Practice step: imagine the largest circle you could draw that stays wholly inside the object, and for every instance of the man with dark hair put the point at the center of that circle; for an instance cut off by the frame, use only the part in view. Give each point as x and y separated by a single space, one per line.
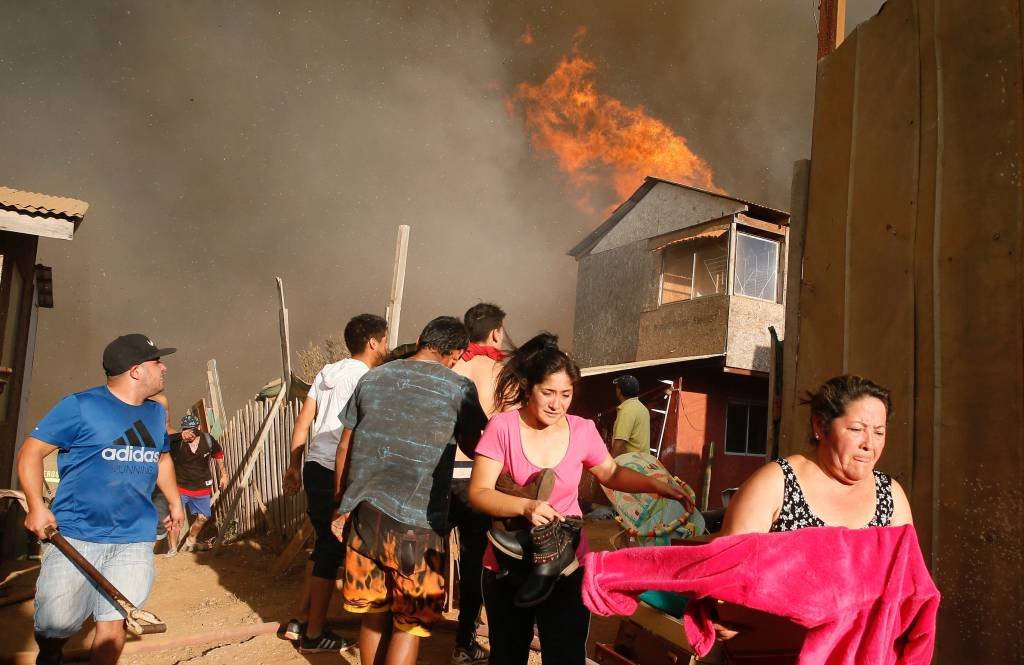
191 452
113 449
632 431
366 336
482 321
480 363
393 472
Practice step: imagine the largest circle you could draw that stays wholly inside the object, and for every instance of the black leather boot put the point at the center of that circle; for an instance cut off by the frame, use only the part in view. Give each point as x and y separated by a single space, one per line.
511 536
515 544
554 555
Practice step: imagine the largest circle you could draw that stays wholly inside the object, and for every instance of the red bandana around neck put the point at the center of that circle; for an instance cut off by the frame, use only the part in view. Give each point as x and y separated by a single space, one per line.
474 350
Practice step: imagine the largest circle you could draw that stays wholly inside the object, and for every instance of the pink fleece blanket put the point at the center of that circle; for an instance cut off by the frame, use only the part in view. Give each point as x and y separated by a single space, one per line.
864 595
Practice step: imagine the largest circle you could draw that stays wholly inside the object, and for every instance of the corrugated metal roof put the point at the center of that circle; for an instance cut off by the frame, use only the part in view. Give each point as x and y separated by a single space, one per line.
33 203
755 210
701 231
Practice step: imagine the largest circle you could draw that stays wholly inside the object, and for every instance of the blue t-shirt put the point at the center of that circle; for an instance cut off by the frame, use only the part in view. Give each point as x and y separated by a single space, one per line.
108 455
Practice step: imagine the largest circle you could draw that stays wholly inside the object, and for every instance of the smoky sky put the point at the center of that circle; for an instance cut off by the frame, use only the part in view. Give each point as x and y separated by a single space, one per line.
222 144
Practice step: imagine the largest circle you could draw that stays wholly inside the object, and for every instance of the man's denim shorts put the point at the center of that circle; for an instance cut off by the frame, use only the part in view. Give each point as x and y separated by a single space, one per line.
197 505
65 596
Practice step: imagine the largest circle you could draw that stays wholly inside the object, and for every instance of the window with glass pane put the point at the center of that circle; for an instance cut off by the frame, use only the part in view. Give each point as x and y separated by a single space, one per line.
757 267
677 273
736 429
711 266
746 429
757 430
694 269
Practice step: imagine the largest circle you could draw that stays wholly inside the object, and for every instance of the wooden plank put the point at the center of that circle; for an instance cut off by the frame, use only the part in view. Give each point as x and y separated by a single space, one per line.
881 222
822 281
794 261
920 492
216 398
268 518
767 227
45 227
284 561
394 308
286 345
274 490
978 306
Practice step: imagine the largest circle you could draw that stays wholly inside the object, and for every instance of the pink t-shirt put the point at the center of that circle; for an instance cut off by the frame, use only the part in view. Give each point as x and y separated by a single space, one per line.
502 442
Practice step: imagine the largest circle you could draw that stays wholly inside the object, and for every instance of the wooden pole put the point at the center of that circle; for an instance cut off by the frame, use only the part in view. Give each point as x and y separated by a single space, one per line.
394 309
831 25
216 398
664 418
286 346
705 492
771 449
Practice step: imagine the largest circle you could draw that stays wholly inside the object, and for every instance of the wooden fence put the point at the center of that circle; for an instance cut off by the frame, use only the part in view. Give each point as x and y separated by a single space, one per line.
254 501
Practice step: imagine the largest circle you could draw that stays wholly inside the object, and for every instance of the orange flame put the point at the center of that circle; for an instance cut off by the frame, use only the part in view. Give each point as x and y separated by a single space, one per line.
600 142
527 36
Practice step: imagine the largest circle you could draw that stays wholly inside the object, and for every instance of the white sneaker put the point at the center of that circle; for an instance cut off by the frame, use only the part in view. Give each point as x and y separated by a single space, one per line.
171 553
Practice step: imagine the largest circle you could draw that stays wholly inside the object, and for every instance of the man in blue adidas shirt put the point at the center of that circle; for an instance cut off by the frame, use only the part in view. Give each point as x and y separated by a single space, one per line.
112 448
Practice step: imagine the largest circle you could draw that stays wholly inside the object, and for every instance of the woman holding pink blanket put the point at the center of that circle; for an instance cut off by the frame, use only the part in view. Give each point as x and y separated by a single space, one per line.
537 435
863 594
836 483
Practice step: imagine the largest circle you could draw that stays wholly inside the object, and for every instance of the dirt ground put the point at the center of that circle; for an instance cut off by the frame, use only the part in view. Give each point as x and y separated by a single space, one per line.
199 593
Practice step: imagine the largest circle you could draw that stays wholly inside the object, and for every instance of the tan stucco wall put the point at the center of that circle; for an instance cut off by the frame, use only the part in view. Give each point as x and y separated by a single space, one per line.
749 344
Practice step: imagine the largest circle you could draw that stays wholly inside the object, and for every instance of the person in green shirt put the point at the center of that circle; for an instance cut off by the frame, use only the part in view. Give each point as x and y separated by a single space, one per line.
632 431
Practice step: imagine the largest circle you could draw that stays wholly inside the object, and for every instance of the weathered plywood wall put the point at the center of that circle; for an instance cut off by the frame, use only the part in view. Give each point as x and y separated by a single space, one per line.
610 288
911 274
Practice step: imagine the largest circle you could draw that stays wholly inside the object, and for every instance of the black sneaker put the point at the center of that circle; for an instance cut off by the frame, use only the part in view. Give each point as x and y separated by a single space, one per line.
327 641
293 630
474 654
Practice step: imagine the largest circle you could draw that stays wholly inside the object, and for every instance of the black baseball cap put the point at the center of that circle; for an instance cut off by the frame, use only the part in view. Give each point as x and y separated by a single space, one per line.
129 350
628 384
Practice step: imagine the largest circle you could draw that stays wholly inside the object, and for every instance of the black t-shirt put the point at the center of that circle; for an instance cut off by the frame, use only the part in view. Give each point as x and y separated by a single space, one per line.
193 468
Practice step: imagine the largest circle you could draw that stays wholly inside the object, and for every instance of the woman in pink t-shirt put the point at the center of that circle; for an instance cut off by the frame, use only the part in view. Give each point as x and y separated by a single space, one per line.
537 384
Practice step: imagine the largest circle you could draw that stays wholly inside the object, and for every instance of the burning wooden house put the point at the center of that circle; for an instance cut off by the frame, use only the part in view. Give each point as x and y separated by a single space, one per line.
679 287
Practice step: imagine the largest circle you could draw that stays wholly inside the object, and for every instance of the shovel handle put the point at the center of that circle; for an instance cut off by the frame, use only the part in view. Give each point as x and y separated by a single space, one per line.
96 576
149 622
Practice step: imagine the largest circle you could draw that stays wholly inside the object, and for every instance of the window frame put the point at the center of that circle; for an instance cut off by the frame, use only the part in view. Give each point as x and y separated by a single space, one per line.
747 404
727 291
778 241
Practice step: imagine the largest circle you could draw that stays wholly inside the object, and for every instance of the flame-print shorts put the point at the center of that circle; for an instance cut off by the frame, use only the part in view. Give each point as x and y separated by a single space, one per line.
394 570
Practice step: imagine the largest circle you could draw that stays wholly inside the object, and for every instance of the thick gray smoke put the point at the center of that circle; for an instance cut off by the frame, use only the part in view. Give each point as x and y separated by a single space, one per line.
221 144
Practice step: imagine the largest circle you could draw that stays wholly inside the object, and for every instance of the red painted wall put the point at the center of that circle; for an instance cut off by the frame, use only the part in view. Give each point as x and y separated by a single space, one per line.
695 419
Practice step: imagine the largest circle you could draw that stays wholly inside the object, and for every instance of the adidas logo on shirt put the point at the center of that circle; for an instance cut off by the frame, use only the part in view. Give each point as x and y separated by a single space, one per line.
136 445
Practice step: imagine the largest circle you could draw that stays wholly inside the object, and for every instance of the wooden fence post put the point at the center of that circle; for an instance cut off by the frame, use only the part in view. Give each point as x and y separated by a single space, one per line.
394 309
286 348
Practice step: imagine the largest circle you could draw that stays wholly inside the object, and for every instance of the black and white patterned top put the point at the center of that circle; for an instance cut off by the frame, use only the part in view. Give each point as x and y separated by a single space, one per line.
796 514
